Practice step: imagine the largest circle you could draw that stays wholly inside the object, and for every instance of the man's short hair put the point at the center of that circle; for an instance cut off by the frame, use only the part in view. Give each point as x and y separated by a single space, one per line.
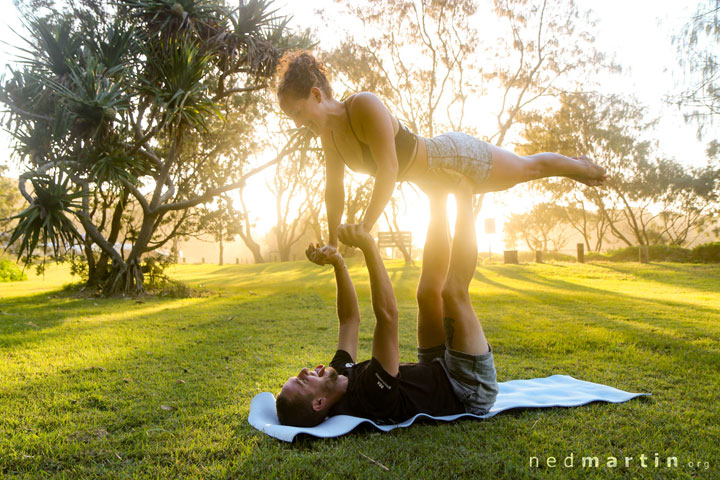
297 411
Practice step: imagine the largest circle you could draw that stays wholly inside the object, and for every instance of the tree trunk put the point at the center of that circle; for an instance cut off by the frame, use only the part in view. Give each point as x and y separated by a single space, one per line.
115 227
253 246
93 280
220 262
125 279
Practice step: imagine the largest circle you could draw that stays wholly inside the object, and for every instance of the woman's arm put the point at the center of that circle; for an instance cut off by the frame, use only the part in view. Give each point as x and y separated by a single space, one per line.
334 193
377 130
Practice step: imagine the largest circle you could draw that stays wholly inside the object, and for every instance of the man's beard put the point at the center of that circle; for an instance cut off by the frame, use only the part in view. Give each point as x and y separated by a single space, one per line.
332 379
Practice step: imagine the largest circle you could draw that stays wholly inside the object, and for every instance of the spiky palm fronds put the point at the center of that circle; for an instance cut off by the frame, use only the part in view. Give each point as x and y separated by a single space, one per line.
53 48
251 18
26 95
115 46
111 165
177 80
91 95
261 36
172 17
48 218
33 140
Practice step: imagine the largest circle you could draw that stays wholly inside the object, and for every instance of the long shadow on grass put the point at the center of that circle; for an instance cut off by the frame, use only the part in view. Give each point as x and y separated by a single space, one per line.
39 311
573 288
685 276
627 303
646 337
223 352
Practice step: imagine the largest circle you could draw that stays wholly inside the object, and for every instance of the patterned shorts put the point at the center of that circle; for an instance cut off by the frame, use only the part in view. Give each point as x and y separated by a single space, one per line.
472 377
456 154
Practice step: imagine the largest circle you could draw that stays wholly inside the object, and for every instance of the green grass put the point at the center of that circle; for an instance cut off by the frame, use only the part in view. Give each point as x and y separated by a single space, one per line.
161 388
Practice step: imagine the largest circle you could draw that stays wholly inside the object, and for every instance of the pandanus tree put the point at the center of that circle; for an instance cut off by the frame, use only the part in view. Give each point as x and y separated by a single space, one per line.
127 114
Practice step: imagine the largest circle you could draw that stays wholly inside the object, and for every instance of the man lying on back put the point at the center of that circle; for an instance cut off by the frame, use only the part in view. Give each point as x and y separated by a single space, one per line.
455 372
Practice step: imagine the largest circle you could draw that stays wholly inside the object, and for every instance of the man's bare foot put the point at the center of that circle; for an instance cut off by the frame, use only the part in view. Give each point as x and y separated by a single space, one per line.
595 175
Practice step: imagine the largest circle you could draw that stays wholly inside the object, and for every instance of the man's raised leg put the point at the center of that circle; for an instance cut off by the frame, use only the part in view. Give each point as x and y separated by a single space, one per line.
463 331
436 257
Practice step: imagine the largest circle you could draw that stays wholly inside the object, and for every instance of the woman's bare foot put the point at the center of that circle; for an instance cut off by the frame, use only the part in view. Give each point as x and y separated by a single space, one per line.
595 175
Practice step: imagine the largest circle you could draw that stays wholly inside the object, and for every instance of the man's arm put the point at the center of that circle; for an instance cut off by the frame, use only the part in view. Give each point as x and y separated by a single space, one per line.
347 305
386 347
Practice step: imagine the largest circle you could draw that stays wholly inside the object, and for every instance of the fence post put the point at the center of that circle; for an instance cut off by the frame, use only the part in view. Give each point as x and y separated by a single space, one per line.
538 256
203 260
184 259
581 253
644 254
511 256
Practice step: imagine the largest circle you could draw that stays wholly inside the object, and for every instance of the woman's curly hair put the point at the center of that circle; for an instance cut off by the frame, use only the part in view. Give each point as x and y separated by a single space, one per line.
298 72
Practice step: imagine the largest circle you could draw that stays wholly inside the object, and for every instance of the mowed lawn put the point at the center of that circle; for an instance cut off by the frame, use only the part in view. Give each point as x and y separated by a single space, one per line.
161 388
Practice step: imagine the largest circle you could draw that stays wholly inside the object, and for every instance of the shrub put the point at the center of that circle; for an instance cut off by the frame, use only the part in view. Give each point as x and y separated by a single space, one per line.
596 256
706 253
656 253
529 257
10 272
664 253
627 254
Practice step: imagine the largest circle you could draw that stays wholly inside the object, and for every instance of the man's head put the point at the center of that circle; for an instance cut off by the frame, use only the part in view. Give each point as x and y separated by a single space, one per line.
305 399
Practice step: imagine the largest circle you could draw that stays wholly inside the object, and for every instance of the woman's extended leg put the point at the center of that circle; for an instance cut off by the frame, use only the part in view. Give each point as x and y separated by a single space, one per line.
509 169
436 257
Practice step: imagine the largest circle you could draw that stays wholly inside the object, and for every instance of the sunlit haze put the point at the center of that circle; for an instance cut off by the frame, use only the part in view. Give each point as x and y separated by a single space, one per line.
637 33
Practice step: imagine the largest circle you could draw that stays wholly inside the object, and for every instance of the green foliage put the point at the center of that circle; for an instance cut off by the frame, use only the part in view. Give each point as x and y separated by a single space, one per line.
48 218
55 48
146 109
707 253
79 267
178 81
10 272
529 257
10 204
613 131
544 228
91 96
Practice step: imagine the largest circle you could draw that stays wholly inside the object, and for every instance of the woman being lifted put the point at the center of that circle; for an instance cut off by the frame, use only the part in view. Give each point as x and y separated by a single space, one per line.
361 133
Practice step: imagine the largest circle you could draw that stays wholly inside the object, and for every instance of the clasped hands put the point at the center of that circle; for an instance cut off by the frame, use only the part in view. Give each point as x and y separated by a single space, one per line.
353 235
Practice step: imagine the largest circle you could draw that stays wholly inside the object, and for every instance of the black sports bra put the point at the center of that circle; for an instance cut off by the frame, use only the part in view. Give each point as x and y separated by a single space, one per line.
405 144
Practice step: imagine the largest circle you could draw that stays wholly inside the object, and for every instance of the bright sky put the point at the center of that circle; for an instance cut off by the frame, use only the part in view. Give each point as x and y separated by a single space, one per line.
637 32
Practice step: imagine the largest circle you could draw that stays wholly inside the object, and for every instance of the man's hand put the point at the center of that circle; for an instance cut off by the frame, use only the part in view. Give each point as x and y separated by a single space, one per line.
327 255
355 235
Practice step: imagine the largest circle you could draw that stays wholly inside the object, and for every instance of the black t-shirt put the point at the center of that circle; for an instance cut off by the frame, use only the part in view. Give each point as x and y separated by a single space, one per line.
375 394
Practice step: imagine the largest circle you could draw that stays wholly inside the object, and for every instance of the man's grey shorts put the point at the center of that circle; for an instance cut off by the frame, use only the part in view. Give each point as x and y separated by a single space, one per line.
472 377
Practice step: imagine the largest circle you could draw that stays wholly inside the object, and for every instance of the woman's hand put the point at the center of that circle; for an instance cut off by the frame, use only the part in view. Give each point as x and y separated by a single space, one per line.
355 235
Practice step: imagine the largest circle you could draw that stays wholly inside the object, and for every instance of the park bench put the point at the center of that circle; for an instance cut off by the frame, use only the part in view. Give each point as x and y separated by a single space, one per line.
395 240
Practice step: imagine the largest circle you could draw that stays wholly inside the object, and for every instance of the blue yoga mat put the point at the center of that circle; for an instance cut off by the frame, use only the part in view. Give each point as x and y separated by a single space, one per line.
553 391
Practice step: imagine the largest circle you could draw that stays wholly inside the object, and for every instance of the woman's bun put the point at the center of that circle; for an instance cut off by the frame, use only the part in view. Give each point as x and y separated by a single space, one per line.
298 72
